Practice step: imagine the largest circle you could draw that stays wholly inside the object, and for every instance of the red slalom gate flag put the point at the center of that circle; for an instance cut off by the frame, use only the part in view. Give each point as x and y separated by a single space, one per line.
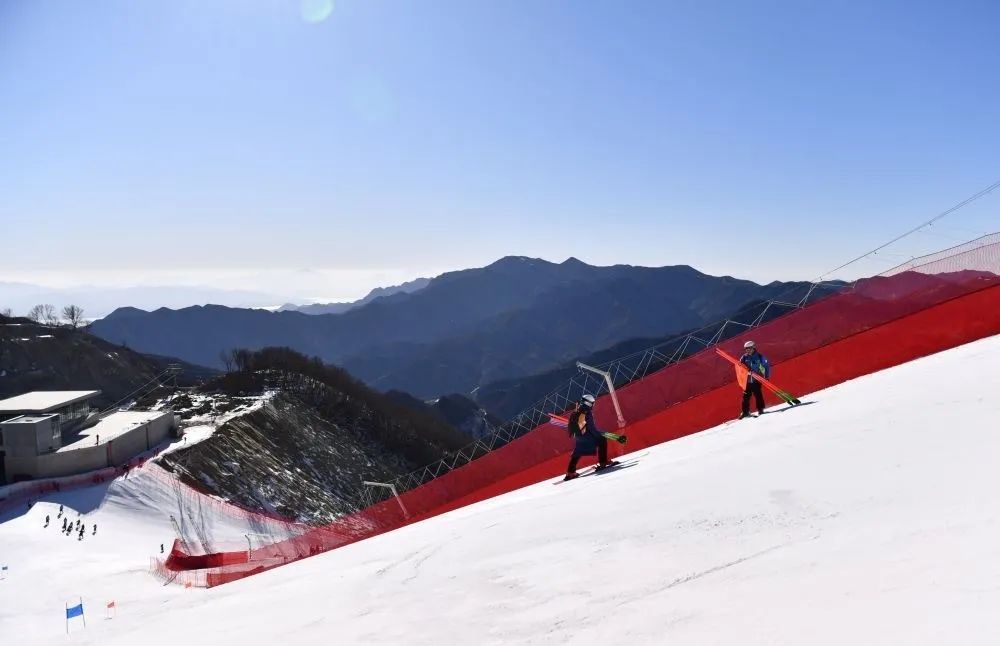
741 375
111 604
187 585
558 420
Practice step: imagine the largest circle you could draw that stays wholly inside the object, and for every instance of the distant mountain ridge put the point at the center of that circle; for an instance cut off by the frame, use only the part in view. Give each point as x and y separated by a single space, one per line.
339 308
40 357
516 317
98 301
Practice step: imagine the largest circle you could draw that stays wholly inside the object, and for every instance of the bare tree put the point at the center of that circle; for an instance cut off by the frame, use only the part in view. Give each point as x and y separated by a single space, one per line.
73 314
227 360
6 312
37 313
49 315
242 359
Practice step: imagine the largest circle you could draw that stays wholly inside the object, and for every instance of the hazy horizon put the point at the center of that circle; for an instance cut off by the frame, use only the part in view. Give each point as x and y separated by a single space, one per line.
313 151
180 289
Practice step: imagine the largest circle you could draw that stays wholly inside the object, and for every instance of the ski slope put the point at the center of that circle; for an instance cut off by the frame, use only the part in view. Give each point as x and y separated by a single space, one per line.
870 515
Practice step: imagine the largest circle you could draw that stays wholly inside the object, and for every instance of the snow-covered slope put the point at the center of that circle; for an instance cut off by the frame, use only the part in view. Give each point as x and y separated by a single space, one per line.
869 516
132 518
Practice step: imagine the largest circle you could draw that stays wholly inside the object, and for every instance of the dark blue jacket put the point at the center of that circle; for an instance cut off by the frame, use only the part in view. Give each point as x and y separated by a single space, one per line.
586 443
757 364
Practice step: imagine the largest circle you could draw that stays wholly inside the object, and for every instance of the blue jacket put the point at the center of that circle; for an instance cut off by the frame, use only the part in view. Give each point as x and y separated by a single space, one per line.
757 364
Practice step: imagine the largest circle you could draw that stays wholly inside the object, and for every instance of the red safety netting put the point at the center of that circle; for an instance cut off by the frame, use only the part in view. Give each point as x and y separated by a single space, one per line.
928 305
25 493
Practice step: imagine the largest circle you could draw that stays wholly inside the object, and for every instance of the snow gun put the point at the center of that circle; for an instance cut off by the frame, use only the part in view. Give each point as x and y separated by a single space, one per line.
563 422
741 377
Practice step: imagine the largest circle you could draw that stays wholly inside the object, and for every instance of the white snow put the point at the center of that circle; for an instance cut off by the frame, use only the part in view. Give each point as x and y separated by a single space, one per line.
133 519
199 428
869 516
42 401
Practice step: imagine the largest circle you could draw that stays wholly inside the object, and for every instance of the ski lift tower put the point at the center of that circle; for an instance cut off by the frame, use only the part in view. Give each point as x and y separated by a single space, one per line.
611 389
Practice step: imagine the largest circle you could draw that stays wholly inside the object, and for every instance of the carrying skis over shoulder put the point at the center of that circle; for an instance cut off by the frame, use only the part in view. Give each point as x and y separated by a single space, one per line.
563 422
752 372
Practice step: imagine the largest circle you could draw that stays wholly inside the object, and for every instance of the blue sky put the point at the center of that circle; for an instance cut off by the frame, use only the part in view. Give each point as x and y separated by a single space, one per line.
237 144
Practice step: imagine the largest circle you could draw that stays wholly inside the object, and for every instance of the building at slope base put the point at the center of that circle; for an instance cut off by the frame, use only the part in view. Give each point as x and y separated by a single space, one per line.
47 434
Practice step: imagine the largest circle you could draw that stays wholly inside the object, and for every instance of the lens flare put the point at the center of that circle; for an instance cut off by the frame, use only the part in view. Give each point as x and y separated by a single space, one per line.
316 11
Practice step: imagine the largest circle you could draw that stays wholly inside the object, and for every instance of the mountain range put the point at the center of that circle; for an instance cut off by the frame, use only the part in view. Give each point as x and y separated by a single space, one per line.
41 357
99 301
464 329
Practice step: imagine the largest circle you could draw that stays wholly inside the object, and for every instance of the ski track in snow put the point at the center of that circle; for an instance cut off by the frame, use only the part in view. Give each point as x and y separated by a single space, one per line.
869 517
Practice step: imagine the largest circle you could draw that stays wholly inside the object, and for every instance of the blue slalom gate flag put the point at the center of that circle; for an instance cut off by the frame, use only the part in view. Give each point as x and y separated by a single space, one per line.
75 611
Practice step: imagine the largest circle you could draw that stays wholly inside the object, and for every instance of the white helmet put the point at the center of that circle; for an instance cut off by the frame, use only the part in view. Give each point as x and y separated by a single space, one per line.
749 344
587 400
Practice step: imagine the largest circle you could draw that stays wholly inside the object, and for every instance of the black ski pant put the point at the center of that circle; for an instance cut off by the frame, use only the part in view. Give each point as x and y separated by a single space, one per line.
602 454
753 388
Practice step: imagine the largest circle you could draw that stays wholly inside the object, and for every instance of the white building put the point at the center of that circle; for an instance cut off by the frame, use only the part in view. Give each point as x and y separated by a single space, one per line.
72 406
36 443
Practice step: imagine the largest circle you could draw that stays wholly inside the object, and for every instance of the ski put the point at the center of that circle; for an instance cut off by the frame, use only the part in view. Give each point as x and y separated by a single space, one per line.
626 461
621 439
563 422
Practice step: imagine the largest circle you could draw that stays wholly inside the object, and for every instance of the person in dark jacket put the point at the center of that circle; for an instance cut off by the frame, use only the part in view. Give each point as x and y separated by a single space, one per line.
589 439
756 364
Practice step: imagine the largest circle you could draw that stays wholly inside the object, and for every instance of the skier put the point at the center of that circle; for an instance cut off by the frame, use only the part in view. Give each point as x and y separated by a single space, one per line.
756 364
588 437
46 520
95 530
64 525
60 512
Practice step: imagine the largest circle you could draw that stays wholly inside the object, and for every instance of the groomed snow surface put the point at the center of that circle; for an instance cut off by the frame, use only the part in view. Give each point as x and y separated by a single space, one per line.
869 516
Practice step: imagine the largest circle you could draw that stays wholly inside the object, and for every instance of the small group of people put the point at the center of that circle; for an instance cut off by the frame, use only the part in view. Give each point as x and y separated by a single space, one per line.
590 440
69 527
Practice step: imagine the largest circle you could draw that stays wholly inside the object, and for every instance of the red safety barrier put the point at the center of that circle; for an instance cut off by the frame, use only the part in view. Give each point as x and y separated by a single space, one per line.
877 323
23 493
29 491
693 395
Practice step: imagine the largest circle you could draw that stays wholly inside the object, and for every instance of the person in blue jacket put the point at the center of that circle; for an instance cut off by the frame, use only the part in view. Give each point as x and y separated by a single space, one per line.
589 439
756 364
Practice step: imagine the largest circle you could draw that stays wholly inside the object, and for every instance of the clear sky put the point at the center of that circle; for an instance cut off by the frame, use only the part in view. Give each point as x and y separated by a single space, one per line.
242 143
